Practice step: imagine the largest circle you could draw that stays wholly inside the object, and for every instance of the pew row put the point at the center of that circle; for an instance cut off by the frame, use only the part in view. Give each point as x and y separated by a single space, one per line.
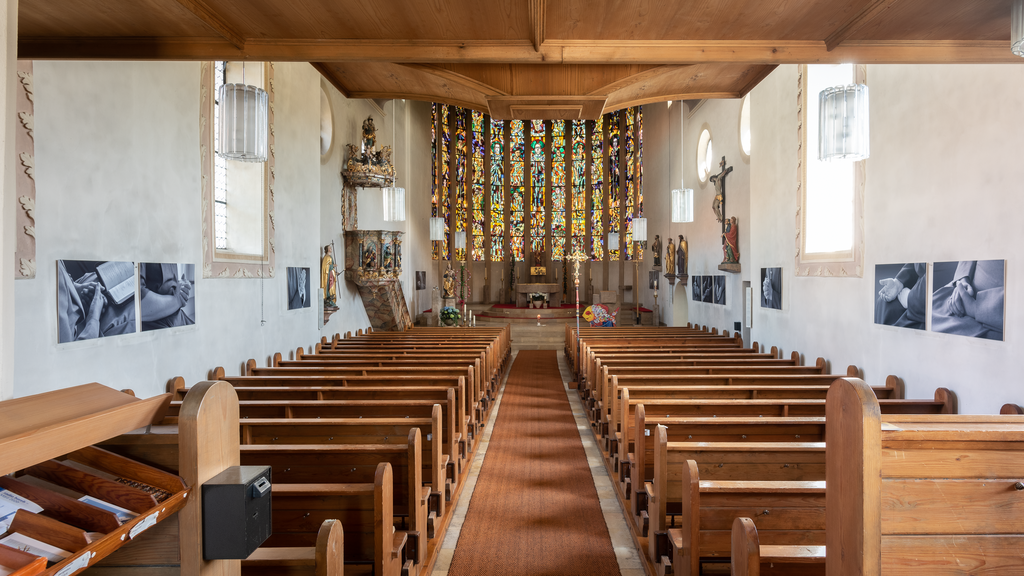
326 558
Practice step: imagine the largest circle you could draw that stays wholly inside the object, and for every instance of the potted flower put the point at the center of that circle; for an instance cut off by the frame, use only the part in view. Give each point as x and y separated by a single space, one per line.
449 316
537 300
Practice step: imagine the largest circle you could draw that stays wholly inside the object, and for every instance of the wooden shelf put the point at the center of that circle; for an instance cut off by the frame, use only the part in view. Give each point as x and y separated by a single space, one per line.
46 456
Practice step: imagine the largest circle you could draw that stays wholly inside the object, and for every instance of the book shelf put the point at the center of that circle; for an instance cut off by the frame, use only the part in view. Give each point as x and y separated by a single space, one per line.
47 456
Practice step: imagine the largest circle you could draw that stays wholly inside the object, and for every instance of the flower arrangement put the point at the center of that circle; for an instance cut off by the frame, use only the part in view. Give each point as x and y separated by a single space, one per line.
449 315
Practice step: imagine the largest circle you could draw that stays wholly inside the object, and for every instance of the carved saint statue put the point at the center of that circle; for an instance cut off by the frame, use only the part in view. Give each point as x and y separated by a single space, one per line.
670 257
385 256
369 136
656 247
370 257
398 254
682 256
448 283
731 246
719 181
329 279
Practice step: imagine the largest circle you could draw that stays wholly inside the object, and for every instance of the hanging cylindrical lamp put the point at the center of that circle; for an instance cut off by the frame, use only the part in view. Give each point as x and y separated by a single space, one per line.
682 205
437 229
843 123
394 204
1017 27
613 240
243 121
460 240
639 229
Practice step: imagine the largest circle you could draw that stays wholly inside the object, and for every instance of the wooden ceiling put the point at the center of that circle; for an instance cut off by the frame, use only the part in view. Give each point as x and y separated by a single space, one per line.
525 58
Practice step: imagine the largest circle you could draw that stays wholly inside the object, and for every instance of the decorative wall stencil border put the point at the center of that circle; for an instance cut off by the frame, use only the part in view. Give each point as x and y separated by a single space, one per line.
834 264
218 265
25 184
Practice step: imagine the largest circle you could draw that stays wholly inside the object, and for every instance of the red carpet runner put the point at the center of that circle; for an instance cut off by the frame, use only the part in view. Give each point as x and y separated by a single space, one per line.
535 509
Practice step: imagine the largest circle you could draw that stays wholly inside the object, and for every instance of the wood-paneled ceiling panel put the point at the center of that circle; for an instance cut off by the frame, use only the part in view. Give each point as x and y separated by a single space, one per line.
963 20
699 19
548 79
137 18
690 83
396 81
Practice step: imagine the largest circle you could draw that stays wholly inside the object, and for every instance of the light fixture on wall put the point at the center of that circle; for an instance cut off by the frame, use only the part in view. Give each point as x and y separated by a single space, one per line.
243 120
394 195
843 123
437 229
682 205
1017 27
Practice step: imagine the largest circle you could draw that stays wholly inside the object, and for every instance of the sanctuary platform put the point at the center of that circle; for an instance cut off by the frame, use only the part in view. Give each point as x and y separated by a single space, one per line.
513 313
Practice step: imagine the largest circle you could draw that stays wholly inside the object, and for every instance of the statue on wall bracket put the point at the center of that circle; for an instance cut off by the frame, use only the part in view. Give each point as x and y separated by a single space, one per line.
730 228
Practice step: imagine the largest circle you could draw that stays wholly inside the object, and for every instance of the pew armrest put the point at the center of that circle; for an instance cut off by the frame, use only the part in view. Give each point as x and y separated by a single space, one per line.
398 544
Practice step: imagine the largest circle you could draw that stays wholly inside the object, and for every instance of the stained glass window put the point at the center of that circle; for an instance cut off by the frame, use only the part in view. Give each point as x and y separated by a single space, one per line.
558 190
517 163
597 192
478 186
497 190
543 159
435 246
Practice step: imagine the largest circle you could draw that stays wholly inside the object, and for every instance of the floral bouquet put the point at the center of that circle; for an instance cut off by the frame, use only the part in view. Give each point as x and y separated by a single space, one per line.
449 315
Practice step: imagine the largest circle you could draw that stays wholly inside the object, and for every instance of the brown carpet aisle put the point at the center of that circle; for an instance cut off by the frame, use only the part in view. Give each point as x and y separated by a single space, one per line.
535 509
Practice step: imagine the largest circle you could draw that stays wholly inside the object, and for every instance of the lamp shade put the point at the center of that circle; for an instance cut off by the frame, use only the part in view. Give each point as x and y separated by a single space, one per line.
613 240
460 240
437 229
242 123
394 204
843 123
1017 27
639 229
682 205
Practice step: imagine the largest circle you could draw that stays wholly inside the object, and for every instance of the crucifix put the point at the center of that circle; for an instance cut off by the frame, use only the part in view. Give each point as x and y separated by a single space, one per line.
719 203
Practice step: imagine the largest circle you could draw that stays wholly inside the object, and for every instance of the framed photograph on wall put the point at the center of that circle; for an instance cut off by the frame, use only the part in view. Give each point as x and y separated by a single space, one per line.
967 298
167 295
695 288
421 279
298 288
771 288
901 294
707 289
720 290
95 299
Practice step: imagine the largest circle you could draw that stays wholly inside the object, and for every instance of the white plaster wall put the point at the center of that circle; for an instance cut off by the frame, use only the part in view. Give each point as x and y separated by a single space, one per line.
943 183
117 174
704 234
661 170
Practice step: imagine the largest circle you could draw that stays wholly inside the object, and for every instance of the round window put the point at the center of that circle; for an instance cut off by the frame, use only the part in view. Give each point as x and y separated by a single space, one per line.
745 125
705 155
326 124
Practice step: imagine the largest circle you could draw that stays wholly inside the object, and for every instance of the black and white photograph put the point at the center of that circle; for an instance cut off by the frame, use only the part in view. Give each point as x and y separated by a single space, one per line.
901 294
298 288
771 288
720 290
421 279
653 280
967 298
95 299
707 289
695 288
167 295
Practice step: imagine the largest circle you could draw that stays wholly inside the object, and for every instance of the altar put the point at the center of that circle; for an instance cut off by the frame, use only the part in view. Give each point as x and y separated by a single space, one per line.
554 292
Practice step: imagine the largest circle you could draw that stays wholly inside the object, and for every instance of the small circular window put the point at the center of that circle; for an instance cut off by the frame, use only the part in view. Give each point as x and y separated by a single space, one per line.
705 155
745 125
326 125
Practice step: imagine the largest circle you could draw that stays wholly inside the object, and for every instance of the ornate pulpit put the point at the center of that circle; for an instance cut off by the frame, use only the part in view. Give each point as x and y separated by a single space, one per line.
373 262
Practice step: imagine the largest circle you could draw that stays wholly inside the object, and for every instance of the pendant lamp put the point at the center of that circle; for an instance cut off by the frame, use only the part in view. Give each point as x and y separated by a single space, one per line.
843 123
639 229
243 123
1017 27
613 240
436 229
394 195
682 205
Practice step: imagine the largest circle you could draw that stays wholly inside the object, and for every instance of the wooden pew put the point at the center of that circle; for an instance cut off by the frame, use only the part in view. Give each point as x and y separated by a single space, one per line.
327 558
294 432
594 364
936 495
305 469
787 513
751 558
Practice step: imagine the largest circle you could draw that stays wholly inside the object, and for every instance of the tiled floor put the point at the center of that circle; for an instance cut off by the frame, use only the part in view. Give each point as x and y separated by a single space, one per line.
550 336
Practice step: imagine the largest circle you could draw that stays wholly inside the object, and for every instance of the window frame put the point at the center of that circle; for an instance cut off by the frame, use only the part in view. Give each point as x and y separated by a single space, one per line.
701 155
844 263
219 263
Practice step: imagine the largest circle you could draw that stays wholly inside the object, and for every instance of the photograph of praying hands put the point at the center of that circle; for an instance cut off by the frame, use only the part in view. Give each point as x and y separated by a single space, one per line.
968 298
168 296
902 294
94 299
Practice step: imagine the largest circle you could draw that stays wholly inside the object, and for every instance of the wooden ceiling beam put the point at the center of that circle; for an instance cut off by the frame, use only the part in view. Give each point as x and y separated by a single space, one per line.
520 51
627 103
537 19
634 79
866 15
460 79
200 10
331 77
756 79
